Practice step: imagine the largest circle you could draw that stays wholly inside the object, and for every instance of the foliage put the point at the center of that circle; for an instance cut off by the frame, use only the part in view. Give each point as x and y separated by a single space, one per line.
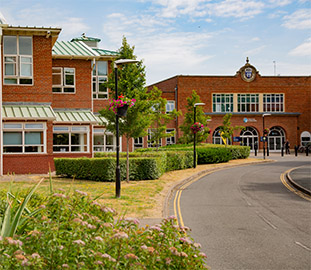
179 160
226 130
239 152
213 155
160 118
75 232
131 83
187 136
14 215
103 169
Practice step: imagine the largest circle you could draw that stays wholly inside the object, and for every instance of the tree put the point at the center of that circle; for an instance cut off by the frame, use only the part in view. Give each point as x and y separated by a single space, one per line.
226 130
160 118
131 84
187 136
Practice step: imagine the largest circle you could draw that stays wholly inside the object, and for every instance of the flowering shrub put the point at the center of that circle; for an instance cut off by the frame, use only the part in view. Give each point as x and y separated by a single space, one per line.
197 127
114 104
75 232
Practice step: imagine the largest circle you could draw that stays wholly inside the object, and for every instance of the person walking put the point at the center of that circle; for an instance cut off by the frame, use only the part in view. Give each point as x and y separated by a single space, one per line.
287 145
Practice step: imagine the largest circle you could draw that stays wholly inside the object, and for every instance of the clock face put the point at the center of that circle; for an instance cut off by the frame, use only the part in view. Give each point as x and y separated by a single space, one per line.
248 74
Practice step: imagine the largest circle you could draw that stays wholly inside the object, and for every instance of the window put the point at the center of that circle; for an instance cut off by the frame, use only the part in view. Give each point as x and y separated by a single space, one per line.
100 72
71 139
217 139
138 143
170 106
104 141
63 80
170 140
150 137
24 138
273 102
248 102
18 60
222 102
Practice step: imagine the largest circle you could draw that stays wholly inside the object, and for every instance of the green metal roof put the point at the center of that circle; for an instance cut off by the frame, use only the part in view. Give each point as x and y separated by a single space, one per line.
101 121
73 48
75 116
27 112
106 52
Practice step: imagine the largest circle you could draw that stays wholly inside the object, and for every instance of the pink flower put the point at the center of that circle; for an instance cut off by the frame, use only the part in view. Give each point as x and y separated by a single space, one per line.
35 255
79 242
98 238
131 256
121 235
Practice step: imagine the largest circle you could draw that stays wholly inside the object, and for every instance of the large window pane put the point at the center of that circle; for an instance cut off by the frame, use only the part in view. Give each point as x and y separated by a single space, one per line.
33 137
12 138
102 68
10 45
25 47
61 139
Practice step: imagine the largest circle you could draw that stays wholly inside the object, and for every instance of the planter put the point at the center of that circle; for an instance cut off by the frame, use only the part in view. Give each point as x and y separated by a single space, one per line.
121 111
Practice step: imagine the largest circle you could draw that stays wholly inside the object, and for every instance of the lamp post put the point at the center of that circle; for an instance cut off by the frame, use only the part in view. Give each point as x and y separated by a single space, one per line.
263 133
118 178
194 133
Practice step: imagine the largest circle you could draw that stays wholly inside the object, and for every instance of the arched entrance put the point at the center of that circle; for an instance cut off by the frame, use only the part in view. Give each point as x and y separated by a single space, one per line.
249 137
217 138
276 138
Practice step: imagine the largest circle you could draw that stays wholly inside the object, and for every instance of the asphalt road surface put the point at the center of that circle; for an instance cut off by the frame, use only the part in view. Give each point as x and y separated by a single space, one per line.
246 218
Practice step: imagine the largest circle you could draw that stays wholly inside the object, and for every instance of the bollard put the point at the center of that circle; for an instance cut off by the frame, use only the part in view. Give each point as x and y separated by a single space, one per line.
296 150
267 151
255 148
307 151
282 151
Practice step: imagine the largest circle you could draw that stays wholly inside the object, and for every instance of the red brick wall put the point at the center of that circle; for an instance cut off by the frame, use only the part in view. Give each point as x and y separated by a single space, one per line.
297 91
40 91
83 85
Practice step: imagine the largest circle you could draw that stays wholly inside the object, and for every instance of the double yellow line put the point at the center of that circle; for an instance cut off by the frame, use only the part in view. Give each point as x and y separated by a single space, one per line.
290 188
177 211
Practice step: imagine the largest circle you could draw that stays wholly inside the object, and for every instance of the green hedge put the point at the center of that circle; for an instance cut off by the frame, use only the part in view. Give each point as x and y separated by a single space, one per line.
104 169
213 155
239 152
179 160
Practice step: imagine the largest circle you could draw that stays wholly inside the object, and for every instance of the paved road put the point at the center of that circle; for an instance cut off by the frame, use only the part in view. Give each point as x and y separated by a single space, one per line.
246 218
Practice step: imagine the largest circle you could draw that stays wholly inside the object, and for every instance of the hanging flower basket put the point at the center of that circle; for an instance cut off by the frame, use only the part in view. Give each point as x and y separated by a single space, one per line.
266 131
121 105
197 127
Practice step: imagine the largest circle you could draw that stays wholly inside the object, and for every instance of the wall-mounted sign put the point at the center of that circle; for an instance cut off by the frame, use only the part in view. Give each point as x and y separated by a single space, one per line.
245 120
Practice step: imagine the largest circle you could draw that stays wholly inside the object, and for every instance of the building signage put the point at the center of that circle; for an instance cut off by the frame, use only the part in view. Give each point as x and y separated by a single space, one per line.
245 120
237 139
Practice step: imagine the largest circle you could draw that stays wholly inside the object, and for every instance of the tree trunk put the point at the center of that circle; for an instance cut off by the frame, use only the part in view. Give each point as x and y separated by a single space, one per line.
127 160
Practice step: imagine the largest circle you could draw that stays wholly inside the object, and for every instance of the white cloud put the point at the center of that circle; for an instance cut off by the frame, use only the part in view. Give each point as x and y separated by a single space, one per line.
280 3
300 19
303 49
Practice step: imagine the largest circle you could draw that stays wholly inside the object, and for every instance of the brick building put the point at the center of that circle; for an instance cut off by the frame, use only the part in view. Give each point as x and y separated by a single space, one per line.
51 92
281 102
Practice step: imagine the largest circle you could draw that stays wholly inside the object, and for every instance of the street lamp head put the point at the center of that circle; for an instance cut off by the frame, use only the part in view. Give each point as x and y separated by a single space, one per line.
124 61
266 114
198 104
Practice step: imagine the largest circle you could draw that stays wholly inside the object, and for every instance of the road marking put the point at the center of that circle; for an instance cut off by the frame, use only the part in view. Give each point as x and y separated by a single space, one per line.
303 246
297 192
267 221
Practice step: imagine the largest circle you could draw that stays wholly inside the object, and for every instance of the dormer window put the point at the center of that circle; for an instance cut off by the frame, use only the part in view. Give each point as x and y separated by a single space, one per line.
18 60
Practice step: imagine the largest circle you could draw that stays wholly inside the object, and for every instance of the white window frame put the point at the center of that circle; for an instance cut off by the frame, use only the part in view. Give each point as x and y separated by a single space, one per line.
63 86
170 106
96 82
222 102
247 106
18 64
170 140
23 128
150 144
217 139
138 143
97 147
273 102
58 129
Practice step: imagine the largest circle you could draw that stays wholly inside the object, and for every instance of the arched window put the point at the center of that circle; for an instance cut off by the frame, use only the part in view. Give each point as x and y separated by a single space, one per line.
276 138
217 138
305 138
249 137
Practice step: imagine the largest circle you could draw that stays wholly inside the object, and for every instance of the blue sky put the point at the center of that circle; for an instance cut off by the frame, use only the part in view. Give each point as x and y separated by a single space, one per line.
188 37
